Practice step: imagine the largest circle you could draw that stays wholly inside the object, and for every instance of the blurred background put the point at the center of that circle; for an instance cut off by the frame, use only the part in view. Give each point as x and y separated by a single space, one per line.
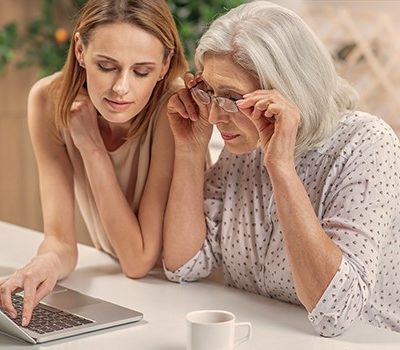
362 37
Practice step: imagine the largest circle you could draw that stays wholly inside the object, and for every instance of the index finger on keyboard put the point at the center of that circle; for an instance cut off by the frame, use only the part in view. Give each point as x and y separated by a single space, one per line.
29 301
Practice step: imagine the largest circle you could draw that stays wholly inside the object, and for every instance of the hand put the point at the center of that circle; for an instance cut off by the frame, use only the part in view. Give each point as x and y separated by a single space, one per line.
83 125
37 279
277 121
189 119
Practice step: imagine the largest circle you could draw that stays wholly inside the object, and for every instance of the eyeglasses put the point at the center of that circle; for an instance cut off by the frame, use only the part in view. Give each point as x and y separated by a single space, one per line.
204 97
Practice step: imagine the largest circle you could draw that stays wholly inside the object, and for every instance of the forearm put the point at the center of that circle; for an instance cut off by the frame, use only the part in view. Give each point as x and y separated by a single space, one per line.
120 223
313 257
184 226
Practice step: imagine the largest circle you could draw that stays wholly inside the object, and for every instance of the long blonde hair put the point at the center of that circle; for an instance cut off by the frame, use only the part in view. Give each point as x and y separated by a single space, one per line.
152 16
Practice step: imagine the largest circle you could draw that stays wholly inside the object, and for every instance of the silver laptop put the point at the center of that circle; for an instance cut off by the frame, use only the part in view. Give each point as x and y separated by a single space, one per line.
65 313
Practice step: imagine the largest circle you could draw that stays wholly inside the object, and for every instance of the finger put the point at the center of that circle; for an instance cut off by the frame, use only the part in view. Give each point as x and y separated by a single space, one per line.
4 279
257 113
270 117
252 101
265 92
43 290
188 101
197 79
246 111
261 119
29 298
188 79
275 108
260 107
265 128
77 105
267 119
6 303
175 105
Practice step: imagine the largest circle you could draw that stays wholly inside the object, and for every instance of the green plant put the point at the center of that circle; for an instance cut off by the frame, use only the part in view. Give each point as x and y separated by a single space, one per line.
45 43
192 18
8 36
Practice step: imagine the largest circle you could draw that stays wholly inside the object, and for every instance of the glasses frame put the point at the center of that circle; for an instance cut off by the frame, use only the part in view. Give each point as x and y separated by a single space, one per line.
206 98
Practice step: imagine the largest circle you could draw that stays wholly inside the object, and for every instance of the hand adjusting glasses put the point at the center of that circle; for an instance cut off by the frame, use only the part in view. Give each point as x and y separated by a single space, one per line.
205 97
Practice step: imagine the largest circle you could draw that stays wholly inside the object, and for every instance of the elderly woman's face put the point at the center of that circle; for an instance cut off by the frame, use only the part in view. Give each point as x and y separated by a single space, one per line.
223 77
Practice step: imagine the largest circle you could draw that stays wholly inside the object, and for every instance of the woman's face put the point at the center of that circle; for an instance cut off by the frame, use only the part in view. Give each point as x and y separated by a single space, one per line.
222 77
123 64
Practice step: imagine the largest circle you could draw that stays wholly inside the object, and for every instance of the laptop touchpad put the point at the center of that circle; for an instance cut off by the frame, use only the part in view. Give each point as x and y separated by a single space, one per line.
68 299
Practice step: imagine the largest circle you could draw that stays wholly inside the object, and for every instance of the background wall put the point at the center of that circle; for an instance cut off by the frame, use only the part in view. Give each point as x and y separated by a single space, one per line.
19 184
18 176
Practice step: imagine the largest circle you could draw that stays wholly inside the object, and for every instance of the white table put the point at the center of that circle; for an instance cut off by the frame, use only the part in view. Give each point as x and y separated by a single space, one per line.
276 325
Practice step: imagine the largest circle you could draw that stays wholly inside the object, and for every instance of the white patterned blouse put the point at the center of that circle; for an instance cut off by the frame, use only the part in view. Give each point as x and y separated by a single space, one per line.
353 182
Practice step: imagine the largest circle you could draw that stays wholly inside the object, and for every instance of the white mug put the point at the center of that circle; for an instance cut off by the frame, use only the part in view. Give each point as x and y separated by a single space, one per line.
214 329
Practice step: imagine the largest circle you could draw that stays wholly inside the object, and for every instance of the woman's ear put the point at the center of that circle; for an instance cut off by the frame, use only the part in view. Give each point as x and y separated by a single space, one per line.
79 49
166 65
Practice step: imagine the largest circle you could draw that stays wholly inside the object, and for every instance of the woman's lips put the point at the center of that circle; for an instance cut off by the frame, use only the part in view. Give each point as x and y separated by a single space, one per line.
119 106
227 136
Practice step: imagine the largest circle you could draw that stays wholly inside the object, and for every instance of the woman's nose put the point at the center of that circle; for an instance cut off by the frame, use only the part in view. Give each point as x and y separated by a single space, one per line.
217 114
121 86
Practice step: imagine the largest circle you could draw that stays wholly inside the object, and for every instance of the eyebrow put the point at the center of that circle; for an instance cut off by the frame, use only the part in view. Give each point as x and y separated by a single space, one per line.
225 87
135 64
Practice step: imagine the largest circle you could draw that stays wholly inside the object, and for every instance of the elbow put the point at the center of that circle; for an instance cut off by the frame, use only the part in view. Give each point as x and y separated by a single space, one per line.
330 326
137 269
136 273
331 332
171 263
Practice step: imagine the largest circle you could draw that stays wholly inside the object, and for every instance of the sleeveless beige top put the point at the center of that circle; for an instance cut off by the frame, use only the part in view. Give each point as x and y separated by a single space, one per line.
131 163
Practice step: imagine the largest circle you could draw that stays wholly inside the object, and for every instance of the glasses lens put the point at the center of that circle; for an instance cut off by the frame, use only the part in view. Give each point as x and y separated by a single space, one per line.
201 96
227 104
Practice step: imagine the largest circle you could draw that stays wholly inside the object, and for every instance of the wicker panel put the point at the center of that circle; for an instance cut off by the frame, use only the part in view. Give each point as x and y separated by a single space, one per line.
365 46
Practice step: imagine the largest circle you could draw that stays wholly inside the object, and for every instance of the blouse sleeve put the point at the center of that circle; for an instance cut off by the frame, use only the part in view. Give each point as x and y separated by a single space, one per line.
359 210
209 256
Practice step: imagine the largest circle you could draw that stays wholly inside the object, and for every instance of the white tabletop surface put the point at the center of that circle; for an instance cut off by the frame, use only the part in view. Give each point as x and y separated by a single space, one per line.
276 325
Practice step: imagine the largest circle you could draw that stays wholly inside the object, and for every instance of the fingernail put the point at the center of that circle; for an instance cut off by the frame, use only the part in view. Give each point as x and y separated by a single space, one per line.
246 95
239 102
24 321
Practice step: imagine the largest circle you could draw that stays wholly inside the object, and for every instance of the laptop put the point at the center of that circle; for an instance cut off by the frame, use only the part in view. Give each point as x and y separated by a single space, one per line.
64 313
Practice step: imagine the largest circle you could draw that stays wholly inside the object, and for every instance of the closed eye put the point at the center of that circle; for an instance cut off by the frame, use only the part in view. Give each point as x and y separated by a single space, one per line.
105 68
141 73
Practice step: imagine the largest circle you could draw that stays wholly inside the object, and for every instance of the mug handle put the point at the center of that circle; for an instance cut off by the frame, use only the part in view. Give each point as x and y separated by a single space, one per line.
247 336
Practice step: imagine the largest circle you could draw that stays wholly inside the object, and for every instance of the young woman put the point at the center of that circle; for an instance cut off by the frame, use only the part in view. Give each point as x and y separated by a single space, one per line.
100 135
303 203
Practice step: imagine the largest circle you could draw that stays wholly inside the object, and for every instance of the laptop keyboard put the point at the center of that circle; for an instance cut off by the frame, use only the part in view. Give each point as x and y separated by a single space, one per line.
46 319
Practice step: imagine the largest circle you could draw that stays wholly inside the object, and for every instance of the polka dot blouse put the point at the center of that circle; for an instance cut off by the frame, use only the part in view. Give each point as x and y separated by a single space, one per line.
353 182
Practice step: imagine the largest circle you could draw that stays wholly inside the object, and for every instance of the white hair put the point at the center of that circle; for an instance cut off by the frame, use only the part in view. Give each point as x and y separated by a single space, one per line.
281 52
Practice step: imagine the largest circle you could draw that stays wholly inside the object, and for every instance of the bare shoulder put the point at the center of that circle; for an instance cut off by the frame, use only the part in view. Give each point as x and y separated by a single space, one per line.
41 111
40 90
41 100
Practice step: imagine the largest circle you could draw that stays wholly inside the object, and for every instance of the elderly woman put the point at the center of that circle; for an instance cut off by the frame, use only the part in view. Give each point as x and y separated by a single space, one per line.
303 203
